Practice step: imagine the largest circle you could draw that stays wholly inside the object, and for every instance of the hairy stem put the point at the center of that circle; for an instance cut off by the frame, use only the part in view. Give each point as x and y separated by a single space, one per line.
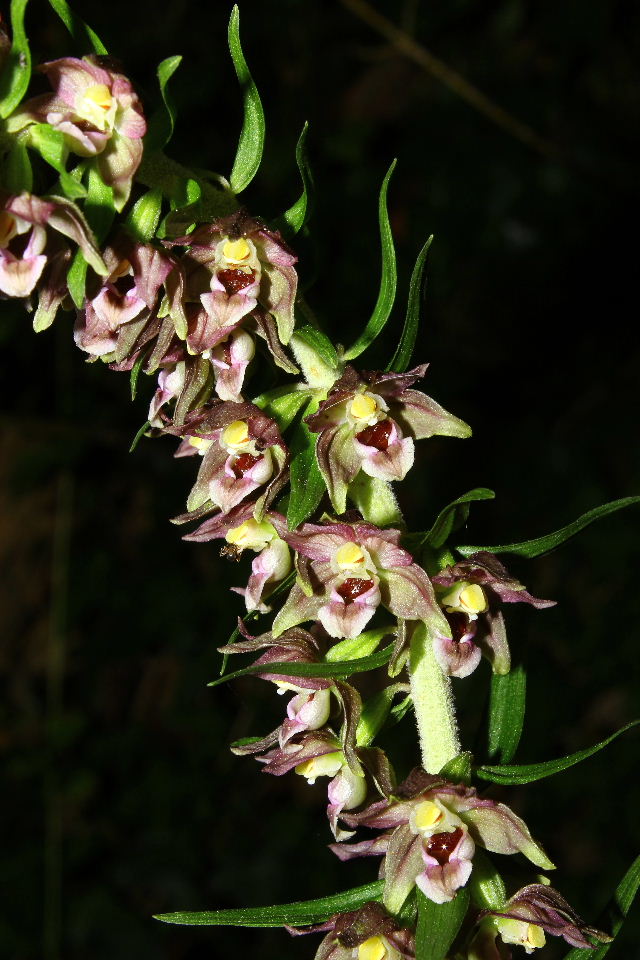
433 704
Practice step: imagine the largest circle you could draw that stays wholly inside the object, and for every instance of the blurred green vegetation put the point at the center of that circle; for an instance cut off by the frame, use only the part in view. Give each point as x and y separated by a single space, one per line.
120 798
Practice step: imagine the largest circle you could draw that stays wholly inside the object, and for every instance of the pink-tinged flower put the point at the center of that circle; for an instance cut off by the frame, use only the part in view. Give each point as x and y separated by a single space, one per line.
230 359
242 451
100 115
369 422
533 911
368 933
242 532
115 316
345 571
170 385
236 269
471 594
430 829
24 220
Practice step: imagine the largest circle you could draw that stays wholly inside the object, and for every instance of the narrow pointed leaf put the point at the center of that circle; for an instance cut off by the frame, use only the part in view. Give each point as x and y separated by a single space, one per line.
344 668
388 279
297 914
404 351
307 483
438 925
79 30
251 142
17 174
99 211
282 587
454 515
614 914
527 773
16 73
162 122
135 373
139 435
297 215
506 713
542 545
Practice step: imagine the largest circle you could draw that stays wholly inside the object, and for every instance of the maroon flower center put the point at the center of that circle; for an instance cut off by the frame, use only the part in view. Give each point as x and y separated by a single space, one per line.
225 353
460 625
441 845
376 436
243 463
234 280
353 587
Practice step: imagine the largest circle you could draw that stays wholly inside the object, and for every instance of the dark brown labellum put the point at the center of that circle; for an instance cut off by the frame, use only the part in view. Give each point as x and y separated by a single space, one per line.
353 587
234 280
243 463
376 436
441 845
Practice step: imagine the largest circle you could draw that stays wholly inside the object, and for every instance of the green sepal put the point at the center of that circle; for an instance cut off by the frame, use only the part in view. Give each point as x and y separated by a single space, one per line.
458 770
388 280
614 914
307 483
438 924
486 886
251 141
344 668
527 773
361 646
162 123
99 210
542 545
299 914
294 219
16 73
282 404
404 351
17 175
507 701
79 30
51 146
455 515
143 218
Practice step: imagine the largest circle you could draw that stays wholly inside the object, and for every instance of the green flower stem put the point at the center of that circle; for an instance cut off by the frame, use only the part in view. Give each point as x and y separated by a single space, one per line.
161 172
433 704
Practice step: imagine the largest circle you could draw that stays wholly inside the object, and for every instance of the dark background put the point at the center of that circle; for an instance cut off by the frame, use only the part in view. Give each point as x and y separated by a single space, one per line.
121 799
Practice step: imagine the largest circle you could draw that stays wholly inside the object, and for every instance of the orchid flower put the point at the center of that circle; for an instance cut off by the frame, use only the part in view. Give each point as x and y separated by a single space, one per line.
368 933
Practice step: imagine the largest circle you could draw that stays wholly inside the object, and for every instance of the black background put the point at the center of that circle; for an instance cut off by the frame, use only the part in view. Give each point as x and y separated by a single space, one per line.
121 799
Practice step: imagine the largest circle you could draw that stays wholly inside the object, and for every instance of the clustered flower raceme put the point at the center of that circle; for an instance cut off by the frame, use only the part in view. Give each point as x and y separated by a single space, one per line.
189 308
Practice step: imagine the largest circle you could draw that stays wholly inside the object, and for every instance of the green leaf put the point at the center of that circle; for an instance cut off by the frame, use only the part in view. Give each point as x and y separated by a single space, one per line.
404 351
251 142
454 515
139 435
344 668
99 211
319 343
16 73
79 30
438 924
375 713
388 279
297 215
17 174
360 646
614 914
542 545
307 483
282 404
527 773
162 122
486 886
506 713
135 372
459 769
144 216
297 914
52 147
